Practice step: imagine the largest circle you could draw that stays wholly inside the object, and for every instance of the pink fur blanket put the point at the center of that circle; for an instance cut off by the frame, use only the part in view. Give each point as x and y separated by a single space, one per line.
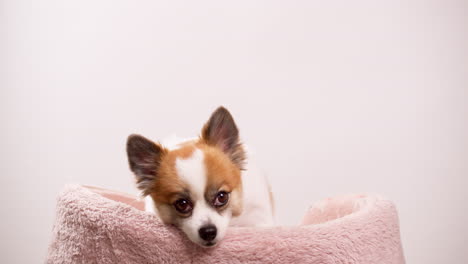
95 225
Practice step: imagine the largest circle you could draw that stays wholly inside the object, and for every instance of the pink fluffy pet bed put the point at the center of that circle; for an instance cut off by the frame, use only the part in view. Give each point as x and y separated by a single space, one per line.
95 225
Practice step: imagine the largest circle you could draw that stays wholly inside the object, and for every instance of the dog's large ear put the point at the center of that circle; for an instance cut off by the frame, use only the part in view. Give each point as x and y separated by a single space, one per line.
144 157
221 131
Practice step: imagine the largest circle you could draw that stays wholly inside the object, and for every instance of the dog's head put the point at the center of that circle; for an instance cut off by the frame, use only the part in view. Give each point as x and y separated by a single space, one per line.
196 186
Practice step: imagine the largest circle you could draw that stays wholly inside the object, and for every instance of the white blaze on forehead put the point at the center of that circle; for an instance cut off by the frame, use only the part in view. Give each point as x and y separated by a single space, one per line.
192 171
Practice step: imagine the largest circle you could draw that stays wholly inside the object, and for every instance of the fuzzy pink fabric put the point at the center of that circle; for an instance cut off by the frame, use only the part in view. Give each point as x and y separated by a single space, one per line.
101 226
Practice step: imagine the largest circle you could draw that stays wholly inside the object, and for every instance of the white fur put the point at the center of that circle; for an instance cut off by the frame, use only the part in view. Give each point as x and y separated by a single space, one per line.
202 215
149 205
193 172
258 210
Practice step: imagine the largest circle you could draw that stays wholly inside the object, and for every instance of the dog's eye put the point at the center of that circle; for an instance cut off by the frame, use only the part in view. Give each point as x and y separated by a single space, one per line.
183 206
221 199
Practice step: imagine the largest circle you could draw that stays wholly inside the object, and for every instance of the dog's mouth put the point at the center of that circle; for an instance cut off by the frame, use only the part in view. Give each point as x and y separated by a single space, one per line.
209 244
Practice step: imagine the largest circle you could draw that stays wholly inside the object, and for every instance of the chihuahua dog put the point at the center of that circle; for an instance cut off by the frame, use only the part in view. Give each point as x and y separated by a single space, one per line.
202 185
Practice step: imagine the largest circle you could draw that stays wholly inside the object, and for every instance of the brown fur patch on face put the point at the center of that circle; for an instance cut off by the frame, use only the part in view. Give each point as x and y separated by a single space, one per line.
222 175
168 187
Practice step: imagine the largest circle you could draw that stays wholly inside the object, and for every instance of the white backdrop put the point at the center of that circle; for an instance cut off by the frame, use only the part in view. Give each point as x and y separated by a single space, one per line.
335 97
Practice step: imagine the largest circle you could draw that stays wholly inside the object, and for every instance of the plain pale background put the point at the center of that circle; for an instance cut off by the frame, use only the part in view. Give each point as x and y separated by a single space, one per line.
335 97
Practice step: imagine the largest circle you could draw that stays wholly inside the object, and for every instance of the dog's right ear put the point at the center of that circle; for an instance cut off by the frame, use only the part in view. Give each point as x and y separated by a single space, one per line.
144 157
221 131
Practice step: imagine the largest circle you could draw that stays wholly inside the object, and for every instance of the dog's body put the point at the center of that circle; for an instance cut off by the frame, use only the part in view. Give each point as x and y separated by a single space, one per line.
202 185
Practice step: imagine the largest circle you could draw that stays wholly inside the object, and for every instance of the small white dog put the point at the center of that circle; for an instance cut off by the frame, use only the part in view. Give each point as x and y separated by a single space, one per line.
202 185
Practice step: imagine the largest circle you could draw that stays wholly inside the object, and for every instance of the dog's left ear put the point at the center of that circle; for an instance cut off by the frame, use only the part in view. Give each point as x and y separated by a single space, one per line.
221 131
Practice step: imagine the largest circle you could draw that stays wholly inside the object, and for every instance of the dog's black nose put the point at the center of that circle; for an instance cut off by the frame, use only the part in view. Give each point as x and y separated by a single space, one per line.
208 232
